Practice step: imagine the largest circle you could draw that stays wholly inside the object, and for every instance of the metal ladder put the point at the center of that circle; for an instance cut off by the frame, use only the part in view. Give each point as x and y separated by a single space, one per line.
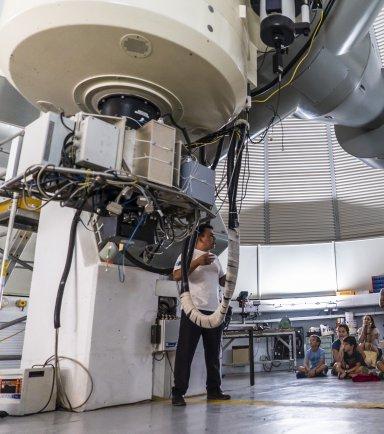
19 242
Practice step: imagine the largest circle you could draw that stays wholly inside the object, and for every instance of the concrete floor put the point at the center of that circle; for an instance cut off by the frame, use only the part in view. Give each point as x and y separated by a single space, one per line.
278 403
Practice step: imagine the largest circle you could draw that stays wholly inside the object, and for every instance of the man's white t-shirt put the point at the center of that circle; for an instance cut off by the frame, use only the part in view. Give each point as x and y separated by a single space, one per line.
204 282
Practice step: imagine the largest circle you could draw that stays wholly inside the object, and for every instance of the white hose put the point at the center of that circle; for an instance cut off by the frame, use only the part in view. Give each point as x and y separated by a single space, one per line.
215 319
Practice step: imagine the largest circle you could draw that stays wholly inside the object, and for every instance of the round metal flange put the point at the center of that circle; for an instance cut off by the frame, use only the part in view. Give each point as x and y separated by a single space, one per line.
88 94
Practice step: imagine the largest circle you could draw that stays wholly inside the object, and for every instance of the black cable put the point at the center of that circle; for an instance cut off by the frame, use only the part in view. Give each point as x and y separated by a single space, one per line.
182 129
65 160
67 267
239 156
233 173
230 173
159 360
202 156
191 248
64 124
184 266
264 55
219 150
292 63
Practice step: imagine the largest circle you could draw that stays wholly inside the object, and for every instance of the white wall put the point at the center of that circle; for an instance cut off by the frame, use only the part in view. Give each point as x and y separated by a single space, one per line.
304 269
247 278
357 261
309 269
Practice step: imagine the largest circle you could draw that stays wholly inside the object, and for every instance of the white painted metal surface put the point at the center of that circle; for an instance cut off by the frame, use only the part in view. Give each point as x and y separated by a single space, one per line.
197 55
105 323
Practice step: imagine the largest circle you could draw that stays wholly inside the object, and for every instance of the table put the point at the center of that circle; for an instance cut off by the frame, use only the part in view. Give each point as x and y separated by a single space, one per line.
251 332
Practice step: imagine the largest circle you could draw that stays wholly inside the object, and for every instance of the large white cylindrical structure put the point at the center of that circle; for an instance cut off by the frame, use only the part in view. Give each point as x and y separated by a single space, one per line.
187 57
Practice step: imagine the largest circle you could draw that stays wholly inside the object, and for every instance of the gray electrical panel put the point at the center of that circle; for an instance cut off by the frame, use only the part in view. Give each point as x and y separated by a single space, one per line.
97 144
42 142
198 181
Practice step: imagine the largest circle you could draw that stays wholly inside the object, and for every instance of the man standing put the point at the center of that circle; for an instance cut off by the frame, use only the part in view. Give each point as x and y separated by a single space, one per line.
205 276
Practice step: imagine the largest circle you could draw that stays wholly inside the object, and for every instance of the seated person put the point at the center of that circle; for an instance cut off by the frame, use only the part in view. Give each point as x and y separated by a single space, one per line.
314 362
369 336
342 331
353 362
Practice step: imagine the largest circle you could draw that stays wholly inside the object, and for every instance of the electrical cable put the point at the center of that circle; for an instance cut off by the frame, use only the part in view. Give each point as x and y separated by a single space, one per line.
202 156
64 124
219 150
56 357
182 129
67 267
159 360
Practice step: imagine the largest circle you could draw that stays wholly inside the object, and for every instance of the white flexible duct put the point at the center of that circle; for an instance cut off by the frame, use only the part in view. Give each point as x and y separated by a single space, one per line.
215 319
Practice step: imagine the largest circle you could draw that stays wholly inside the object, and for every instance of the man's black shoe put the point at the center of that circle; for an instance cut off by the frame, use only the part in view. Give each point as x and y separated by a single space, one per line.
178 401
218 396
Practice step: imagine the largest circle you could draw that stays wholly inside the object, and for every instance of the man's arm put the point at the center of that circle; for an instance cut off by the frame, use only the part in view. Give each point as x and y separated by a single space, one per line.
205 259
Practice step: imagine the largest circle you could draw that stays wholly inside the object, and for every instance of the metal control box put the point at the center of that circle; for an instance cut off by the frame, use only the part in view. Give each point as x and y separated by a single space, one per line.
42 142
168 334
27 391
151 152
198 181
97 144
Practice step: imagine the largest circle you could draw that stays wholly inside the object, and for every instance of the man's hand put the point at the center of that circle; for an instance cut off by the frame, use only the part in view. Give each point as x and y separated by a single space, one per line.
206 259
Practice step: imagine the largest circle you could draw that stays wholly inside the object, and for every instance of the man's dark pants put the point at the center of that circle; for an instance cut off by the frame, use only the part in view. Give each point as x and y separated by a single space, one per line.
189 337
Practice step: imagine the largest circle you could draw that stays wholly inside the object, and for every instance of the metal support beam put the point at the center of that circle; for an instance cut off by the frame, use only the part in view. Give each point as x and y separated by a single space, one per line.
4 264
267 220
12 323
7 357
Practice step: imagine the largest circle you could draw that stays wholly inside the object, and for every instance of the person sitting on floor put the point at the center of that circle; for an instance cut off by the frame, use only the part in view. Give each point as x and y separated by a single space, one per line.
342 331
353 362
314 362
369 338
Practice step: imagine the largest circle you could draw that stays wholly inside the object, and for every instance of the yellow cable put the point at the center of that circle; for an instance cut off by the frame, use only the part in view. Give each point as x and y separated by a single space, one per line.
201 144
297 66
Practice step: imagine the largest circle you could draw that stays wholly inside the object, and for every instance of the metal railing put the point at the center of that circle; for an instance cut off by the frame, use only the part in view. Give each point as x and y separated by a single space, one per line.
11 323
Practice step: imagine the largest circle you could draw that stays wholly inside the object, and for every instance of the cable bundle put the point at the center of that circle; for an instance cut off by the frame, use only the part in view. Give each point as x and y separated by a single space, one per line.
235 153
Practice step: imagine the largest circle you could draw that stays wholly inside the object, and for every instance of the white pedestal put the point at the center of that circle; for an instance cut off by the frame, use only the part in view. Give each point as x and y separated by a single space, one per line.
105 323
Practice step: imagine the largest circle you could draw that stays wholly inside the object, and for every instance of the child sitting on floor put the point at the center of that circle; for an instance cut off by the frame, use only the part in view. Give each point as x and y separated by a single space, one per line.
353 362
342 331
314 362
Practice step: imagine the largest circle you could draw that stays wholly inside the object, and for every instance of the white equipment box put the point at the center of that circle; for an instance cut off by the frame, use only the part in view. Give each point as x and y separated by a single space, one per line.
97 144
42 143
169 334
27 391
153 154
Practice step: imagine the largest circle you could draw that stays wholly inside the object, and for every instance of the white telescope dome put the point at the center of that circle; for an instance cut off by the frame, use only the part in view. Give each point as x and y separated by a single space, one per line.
185 57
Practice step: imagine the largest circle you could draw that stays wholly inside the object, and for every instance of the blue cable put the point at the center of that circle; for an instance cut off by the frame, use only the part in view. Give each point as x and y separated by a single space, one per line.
121 271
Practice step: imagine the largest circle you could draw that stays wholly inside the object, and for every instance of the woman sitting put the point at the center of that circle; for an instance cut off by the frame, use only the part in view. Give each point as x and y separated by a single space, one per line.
369 336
